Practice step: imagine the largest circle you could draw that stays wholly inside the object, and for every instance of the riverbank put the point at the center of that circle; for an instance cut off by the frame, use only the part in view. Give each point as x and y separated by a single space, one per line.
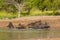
53 21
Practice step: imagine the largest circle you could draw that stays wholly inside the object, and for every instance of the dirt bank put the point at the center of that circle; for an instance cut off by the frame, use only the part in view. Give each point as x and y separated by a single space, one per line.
53 21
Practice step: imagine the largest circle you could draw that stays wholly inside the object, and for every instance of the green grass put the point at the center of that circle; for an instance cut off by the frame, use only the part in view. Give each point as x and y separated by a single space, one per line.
37 12
4 15
27 34
22 34
33 12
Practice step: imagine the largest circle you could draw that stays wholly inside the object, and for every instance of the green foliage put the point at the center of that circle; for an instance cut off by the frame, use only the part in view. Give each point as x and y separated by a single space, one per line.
41 4
5 15
41 7
56 13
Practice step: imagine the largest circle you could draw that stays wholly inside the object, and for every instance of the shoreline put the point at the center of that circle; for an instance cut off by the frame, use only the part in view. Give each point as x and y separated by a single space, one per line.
53 21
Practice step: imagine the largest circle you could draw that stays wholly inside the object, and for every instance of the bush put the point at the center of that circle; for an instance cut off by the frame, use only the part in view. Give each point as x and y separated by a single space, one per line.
48 14
56 13
36 14
4 15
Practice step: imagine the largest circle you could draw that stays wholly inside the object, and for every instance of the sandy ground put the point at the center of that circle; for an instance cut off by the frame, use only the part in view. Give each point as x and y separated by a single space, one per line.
43 39
53 21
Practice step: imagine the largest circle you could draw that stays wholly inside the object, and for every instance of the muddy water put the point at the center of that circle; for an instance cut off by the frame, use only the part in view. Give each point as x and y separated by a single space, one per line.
27 34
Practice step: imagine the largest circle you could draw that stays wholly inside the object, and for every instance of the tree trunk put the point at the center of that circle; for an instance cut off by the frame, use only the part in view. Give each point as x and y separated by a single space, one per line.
19 12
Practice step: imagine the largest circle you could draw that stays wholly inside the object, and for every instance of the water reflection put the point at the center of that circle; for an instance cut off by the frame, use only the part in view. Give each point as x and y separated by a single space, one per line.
24 34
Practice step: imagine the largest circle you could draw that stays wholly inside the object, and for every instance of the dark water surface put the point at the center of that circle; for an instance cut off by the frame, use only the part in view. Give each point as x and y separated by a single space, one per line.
14 34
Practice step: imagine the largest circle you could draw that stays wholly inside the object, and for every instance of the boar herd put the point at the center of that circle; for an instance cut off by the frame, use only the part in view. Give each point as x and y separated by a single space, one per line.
33 25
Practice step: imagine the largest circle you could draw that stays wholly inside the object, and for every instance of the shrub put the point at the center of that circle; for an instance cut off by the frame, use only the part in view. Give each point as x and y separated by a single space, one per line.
56 13
4 15
48 14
